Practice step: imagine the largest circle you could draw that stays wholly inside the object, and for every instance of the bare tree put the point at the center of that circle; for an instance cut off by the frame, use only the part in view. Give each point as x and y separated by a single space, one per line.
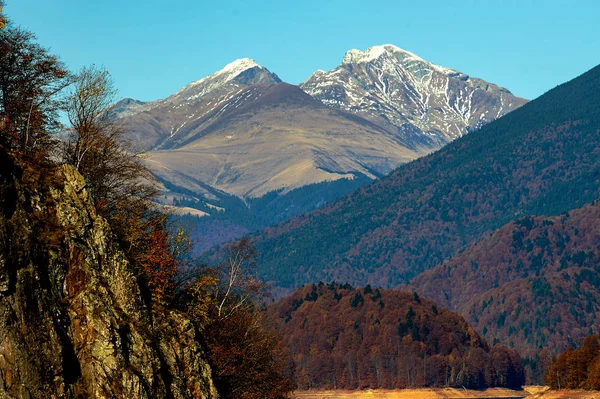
97 146
87 105
239 287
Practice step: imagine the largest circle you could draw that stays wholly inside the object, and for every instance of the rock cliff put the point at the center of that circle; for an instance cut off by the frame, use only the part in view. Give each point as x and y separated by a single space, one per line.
74 320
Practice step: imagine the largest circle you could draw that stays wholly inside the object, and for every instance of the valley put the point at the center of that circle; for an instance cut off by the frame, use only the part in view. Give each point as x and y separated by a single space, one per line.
386 228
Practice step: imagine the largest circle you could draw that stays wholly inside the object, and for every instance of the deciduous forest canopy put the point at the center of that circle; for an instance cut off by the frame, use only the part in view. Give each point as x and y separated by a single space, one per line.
342 337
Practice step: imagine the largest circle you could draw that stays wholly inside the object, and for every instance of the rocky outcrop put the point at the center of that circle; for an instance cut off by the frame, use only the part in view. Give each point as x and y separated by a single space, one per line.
74 321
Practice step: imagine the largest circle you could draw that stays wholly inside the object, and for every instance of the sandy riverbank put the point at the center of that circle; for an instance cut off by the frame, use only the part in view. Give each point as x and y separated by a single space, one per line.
531 392
545 393
423 393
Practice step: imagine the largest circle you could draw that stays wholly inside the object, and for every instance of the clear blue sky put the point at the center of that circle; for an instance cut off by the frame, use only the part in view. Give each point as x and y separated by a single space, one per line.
153 48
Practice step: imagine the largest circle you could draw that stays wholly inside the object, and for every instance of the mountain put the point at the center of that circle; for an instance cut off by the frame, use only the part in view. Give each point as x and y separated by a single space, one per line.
165 122
249 151
243 132
340 337
541 159
424 103
532 283
276 137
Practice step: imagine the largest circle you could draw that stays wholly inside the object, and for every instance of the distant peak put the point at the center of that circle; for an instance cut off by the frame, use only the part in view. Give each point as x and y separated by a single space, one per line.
229 72
355 56
240 65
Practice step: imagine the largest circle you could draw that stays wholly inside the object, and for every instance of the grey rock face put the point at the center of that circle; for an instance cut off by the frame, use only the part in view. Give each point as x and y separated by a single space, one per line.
73 320
425 104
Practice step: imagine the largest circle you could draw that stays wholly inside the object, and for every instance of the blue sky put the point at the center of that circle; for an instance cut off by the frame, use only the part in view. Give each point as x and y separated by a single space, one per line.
153 48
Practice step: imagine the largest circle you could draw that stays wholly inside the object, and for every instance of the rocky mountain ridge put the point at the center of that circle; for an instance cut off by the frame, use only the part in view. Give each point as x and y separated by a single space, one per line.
165 123
429 104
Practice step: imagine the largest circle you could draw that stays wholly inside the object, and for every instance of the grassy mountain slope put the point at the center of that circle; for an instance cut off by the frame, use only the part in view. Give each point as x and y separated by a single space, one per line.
277 137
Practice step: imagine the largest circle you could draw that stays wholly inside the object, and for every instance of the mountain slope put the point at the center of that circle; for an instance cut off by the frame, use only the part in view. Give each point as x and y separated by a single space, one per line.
221 144
533 283
277 137
422 102
345 338
163 123
243 132
543 158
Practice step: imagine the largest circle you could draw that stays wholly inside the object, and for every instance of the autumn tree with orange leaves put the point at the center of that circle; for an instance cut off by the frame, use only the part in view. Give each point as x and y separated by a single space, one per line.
577 368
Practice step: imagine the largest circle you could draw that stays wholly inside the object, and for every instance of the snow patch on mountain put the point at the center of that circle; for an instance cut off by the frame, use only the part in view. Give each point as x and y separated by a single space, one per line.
226 74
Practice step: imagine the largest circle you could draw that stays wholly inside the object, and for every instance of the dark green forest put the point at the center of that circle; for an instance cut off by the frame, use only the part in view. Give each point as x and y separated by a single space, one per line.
241 217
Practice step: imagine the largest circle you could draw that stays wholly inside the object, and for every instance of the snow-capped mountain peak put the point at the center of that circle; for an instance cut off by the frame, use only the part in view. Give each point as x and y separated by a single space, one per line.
396 53
356 56
425 103
229 72
199 99
239 66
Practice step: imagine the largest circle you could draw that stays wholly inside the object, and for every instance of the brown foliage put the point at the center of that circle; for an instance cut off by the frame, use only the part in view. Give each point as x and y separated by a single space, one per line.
30 79
533 283
577 368
244 353
346 338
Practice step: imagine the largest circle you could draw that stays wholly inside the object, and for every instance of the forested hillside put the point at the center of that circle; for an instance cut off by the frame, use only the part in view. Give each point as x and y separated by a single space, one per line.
532 284
542 159
340 337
